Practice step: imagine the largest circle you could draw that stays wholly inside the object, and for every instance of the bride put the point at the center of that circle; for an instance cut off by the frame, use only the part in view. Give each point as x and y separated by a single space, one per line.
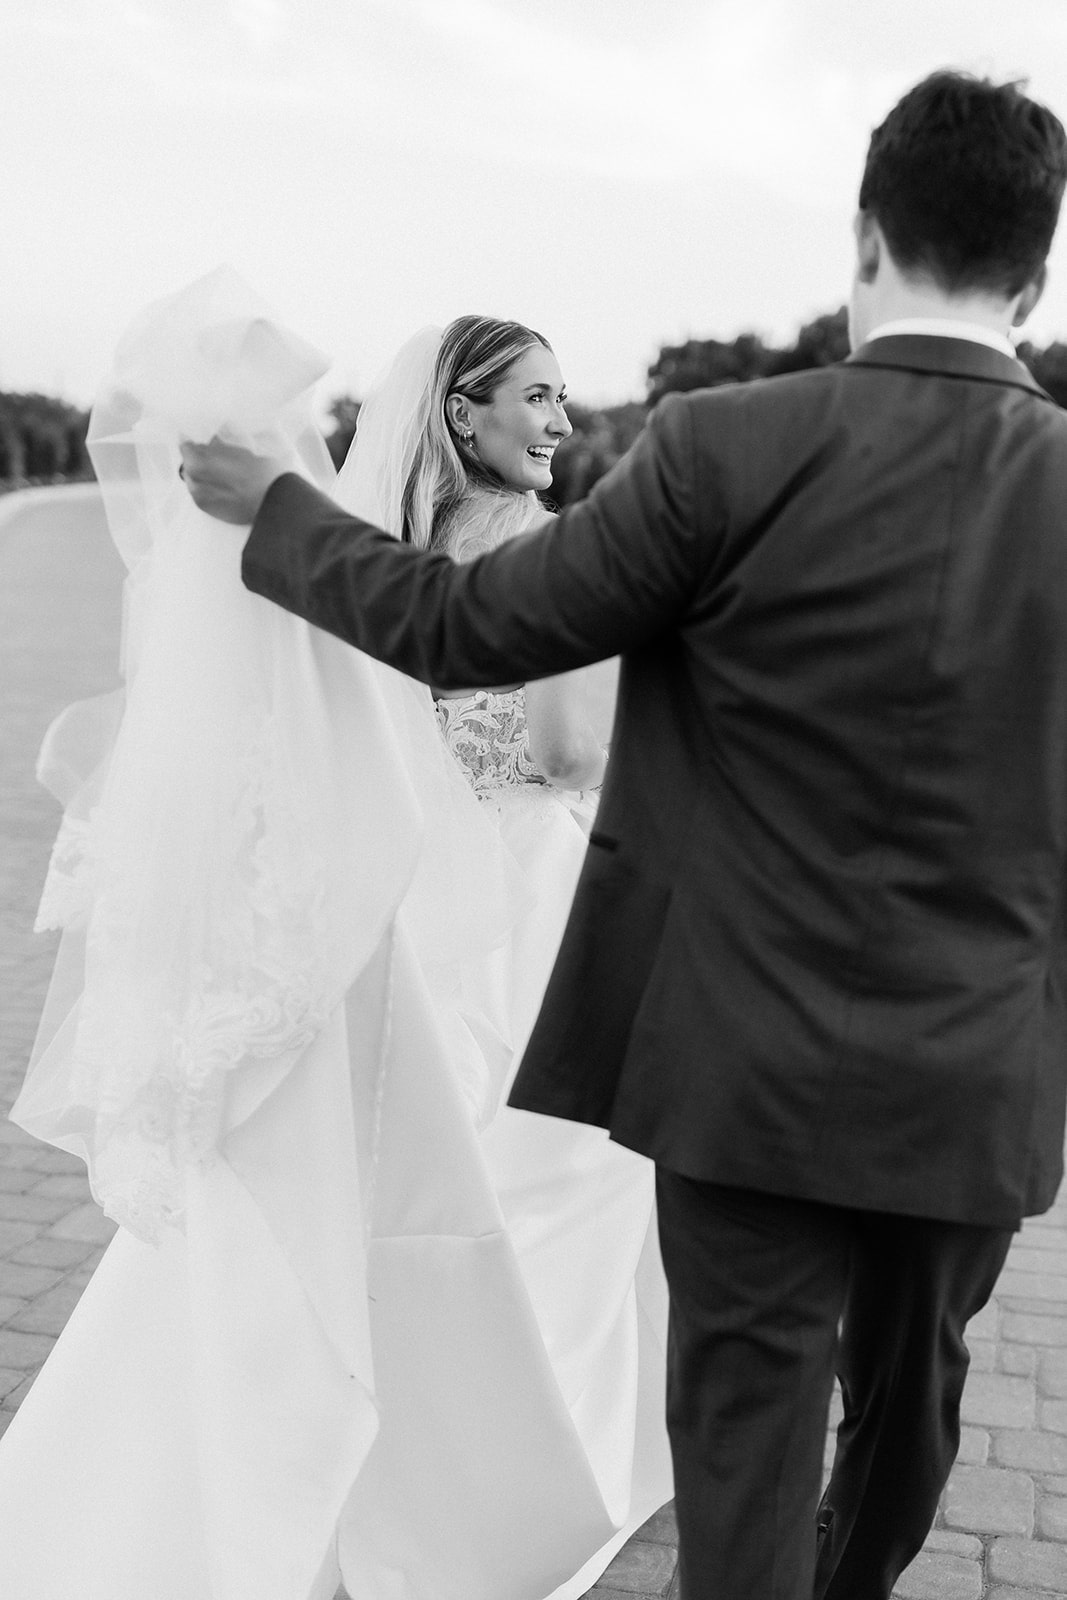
363 1324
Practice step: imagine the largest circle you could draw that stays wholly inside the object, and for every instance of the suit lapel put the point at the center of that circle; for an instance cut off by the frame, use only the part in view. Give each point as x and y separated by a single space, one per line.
951 358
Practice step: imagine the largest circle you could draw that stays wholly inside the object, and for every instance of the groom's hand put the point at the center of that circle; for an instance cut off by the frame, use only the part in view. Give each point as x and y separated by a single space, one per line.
227 482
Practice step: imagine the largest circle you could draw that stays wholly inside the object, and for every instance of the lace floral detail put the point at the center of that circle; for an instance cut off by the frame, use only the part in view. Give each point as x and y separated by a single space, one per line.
67 895
488 736
155 1055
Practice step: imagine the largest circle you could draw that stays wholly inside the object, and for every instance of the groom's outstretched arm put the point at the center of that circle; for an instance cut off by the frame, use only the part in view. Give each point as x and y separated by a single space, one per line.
607 576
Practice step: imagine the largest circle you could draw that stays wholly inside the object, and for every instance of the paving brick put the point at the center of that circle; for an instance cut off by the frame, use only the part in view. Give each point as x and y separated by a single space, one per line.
12 1401
934 1575
10 1306
1030 1452
1035 1328
985 1323
82 1273
22 1350
997 1400
31 1208
661 1527
50 1312
641 1568
57 1163
10 1378
955 1544
1034 1563
13 1180
11 1133
63 1186
1030 1305
1057 1212
974 1447
1019 1359
999 1593
1032 1290
22 1156
86 1223
14 1234
1052 1416
983 1354
1052 1374
1038 1260
989 1500
598 1593
1051 1522
48 1252
25 1282
1045 1237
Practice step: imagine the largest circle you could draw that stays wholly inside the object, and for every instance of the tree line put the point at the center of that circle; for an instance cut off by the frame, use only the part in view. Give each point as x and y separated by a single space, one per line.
42 440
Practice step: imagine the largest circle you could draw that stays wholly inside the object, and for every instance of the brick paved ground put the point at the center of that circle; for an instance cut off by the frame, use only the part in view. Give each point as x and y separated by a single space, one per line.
1002 1529
59 589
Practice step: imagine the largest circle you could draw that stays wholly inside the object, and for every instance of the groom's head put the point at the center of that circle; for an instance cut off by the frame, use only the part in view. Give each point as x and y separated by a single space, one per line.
964 180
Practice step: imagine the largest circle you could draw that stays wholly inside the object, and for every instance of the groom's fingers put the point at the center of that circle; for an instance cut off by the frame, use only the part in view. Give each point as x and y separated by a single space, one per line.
226 481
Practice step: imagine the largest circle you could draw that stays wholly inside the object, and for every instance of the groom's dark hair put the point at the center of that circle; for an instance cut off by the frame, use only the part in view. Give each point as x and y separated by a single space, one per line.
965 178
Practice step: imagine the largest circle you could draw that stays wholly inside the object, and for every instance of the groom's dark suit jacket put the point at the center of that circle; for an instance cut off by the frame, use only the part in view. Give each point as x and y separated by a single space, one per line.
818 945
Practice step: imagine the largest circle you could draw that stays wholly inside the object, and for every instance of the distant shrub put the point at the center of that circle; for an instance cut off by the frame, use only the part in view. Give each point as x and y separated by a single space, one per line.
41 440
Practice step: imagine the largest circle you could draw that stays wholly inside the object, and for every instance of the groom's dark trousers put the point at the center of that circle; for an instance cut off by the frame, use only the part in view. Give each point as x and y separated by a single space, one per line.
815 966
758 1284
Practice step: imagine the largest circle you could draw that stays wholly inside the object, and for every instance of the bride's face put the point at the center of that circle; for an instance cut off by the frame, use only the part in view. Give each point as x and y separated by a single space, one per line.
517 431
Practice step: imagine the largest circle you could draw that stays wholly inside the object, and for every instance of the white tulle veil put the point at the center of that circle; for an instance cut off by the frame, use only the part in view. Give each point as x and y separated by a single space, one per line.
243 826
392 419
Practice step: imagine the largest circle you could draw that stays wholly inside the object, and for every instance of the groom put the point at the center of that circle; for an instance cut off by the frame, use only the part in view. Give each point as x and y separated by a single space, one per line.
815 966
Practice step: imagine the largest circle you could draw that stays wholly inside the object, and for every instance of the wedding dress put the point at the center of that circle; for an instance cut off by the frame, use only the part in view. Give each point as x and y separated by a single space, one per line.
362 1322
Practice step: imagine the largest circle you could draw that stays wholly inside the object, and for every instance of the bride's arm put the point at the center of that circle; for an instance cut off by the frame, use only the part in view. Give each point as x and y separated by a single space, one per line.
563 745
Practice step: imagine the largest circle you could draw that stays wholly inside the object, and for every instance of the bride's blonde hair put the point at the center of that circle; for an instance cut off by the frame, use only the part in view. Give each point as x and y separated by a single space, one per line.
451 500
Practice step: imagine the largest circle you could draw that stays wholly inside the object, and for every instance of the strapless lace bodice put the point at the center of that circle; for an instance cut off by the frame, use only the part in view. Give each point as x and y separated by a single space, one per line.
488 736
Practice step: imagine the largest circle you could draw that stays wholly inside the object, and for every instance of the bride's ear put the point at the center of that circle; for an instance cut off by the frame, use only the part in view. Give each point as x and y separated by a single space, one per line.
457 410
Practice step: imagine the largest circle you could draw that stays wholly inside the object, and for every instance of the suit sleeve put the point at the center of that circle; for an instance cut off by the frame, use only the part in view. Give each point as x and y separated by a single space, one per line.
607 576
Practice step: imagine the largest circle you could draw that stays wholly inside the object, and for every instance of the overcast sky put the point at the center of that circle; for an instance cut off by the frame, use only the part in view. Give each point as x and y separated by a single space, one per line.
617 173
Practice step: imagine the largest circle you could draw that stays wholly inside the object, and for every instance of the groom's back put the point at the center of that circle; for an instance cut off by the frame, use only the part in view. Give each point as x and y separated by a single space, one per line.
883 641
849 779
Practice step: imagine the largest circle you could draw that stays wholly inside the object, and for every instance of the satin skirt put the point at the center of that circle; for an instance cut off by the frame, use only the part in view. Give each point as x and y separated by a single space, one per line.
393 1353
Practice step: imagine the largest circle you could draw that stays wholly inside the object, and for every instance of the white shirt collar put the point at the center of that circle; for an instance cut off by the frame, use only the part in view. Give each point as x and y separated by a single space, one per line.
945 328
